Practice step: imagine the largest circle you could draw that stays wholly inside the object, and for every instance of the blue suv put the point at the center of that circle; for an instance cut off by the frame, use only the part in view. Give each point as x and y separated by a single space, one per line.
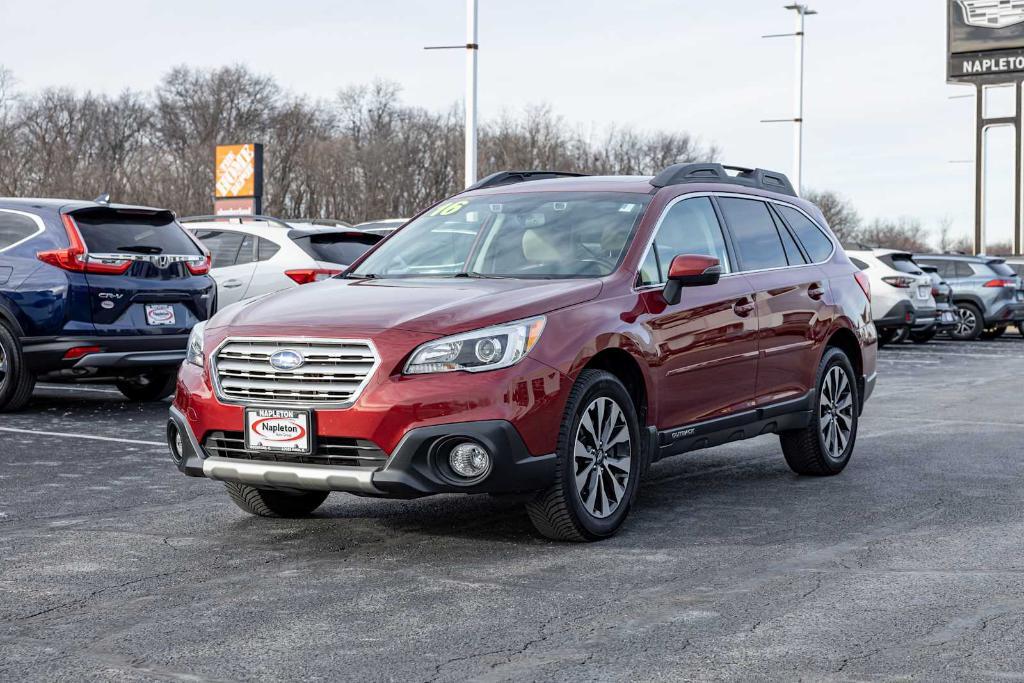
94 291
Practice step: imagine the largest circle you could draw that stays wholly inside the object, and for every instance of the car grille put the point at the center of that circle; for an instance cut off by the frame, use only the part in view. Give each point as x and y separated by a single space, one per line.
333 371
330 450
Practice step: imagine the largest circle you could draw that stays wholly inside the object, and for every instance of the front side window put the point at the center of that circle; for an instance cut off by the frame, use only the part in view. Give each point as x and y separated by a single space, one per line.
222 244
521 235
688 227
753 229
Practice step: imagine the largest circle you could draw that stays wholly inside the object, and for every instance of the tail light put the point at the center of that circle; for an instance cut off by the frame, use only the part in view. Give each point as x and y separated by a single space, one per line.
306 275
76 258
864 282
199 267
1000 283
899 281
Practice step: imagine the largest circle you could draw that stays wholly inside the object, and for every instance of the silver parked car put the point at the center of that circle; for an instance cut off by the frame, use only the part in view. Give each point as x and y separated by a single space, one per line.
986 292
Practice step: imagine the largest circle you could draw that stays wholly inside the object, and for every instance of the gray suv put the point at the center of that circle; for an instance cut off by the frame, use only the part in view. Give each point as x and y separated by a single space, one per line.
986 292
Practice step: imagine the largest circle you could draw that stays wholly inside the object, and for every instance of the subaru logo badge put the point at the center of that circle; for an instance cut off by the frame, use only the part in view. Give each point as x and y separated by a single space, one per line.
286 359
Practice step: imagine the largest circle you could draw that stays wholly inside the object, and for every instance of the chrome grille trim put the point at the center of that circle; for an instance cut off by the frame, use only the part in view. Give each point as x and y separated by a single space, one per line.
330 451
334 374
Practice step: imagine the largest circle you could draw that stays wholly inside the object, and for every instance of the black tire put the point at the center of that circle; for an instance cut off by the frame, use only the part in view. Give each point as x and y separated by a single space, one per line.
16 381
1020 328
886 336
560 512
922 337
805 449
270 503
970 324
994 333
154 386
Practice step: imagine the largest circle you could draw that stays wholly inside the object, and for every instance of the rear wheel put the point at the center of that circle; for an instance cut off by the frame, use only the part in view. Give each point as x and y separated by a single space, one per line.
824 447
598 463
922 337
969 323
270 503
152 386
16 381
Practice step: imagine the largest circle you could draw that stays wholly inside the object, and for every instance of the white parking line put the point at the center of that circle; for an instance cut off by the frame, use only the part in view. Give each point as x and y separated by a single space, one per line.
82 436
65 387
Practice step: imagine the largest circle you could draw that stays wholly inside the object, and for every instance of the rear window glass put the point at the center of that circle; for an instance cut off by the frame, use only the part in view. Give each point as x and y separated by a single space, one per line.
110 232
337 248
1002 269
900 263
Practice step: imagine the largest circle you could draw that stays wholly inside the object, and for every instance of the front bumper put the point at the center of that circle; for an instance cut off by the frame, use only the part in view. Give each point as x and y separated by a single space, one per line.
132 353
417 467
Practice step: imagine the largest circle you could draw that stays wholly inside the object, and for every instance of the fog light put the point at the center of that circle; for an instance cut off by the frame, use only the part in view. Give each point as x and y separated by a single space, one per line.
469 460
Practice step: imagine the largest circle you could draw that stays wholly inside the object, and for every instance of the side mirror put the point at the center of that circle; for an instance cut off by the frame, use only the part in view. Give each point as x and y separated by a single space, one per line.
690 270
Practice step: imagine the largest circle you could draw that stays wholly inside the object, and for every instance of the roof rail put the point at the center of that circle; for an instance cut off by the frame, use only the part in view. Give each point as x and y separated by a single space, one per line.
511 177
208 219
760 178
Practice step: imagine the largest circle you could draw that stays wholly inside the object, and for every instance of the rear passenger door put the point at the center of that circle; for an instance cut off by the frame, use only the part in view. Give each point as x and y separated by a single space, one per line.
232 263
707 343
790 292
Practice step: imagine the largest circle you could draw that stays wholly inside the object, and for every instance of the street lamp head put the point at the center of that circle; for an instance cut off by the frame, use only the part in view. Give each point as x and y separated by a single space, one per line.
802 9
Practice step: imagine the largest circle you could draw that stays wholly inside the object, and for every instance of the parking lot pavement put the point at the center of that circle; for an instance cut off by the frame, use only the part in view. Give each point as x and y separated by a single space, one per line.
113 566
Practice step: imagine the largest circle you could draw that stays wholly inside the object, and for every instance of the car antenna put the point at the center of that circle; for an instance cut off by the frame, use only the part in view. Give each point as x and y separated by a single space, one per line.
103 199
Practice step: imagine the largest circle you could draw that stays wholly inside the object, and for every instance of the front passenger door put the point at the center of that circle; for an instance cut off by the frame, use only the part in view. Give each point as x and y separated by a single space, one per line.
707 343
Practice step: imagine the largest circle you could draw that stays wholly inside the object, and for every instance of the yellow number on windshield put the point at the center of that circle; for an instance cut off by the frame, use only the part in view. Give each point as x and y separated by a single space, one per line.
449 208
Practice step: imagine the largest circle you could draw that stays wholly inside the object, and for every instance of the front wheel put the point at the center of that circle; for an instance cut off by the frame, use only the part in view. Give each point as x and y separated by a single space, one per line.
598 463
824 447
152 386
268 503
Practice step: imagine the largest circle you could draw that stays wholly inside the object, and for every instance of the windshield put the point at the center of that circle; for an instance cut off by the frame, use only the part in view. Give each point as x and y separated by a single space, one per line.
528 235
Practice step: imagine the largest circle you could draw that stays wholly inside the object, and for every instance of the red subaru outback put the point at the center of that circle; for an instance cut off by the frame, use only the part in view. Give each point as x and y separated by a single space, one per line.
540 334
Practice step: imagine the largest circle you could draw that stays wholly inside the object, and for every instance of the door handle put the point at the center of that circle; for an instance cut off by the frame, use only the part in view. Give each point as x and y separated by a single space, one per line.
743 307
231 284
816 291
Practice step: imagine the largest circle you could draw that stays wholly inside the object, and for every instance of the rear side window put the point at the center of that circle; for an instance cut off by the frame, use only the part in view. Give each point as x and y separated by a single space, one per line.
943 267
223 245
793 254
15 228
110 231
690 227
757 240
266 249
340 248
817 245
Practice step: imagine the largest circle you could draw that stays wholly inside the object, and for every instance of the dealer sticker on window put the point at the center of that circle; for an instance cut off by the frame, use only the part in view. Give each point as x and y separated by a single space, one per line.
270 429
159 314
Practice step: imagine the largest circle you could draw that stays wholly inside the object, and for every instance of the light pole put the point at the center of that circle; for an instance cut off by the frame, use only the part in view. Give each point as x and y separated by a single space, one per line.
802 11
472 48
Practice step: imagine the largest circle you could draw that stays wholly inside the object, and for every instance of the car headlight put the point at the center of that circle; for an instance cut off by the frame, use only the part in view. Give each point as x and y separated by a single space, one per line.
488 349
194 350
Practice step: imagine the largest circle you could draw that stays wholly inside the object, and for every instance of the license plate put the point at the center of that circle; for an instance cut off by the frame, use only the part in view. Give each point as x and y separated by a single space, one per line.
924 292
947 317
159 314
283 431
1020 295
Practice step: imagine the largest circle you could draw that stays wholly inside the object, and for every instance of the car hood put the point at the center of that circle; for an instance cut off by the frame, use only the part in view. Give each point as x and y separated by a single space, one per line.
433 305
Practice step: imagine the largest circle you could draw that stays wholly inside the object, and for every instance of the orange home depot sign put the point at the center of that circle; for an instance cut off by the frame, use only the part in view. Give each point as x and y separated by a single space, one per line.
238 177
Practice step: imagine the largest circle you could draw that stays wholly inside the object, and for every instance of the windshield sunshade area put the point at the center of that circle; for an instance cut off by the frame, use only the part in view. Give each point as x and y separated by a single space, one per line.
527 235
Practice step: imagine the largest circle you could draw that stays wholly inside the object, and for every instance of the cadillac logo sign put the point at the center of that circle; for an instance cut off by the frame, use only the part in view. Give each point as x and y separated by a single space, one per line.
992 13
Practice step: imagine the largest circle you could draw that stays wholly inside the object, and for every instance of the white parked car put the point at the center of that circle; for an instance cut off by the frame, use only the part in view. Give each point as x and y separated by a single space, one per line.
254 255
901 293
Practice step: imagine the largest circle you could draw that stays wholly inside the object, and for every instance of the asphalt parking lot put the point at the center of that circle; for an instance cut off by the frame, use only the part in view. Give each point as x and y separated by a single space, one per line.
908 565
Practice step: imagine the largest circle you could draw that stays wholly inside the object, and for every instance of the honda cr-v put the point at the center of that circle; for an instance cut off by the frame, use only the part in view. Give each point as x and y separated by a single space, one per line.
543 335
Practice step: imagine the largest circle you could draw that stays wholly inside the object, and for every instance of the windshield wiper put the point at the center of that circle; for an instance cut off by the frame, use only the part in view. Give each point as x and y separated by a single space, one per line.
479 276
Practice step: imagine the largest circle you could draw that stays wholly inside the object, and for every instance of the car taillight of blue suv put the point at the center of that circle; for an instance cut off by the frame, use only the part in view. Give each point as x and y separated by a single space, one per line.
96 292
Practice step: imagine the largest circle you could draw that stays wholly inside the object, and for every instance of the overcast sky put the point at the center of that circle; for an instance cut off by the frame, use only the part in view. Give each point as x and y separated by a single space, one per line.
880 127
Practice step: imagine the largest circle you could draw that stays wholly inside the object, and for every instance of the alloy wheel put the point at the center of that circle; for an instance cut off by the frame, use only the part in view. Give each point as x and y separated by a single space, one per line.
965 321
835 412
602 454
3 367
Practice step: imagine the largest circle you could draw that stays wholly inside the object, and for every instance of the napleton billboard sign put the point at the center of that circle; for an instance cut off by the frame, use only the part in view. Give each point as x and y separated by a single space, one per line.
986 39
238 179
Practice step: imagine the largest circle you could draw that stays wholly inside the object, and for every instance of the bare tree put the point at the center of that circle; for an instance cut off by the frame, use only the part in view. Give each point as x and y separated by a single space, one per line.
905 233
839 212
